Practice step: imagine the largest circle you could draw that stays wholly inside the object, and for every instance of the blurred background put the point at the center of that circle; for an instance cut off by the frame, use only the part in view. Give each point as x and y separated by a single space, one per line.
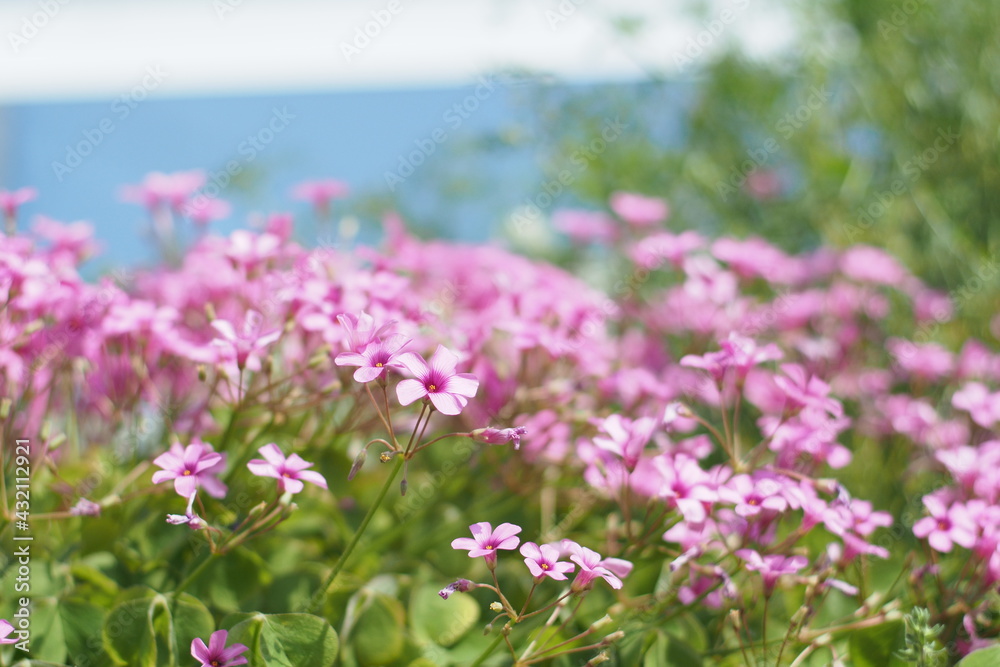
834 121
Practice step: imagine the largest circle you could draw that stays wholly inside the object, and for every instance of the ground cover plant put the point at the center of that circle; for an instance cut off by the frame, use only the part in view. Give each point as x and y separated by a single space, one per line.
429 453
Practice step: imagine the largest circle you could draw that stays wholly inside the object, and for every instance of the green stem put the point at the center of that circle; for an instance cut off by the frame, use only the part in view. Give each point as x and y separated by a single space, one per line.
324 589
194 575
488 650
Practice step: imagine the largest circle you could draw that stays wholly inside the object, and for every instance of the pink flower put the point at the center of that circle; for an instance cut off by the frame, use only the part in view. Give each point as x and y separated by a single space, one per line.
872 265
377 357
11 200
499 436
771 567
361 331
248 249
206 209
592 567
191 467
804 390
486 542
738 353
189 517
320 193
946 525
626 438
753 496
290 472
158 189
447 390
585 226
5 630
216 654
543 561
244 346
982 406
928 361
639 210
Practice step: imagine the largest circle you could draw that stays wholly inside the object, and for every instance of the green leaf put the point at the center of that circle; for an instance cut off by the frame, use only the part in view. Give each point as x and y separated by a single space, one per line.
128 634
287 640
443 622
681 653
377 635
876 646
151 630
48 640
82 624
985 657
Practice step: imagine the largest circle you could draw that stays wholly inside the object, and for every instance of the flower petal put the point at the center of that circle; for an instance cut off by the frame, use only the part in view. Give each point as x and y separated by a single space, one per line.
408 391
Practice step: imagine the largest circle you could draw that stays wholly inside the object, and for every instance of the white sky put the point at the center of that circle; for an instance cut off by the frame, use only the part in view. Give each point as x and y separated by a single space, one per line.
94 48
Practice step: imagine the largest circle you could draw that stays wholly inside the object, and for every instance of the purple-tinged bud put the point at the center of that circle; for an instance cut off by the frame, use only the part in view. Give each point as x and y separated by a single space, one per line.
460 586
85 507
499 436
359 461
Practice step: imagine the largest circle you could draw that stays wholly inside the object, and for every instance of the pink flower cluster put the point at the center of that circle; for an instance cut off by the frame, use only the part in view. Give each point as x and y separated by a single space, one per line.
543 561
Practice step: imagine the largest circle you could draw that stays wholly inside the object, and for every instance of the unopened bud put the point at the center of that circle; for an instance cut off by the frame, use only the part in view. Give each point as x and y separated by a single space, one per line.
403 486
600 623
359 461
202 373
5 408
57 441
612 638
827 486
499 436
496 606
597 659
254 511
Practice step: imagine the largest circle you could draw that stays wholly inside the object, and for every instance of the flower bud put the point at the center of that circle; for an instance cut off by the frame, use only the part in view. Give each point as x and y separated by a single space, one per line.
612 638
359 461
496 606
499 436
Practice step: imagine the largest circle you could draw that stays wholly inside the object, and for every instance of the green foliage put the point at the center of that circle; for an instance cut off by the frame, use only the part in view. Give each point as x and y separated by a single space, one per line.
287 640
922 647
987 657
147 629
877 646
